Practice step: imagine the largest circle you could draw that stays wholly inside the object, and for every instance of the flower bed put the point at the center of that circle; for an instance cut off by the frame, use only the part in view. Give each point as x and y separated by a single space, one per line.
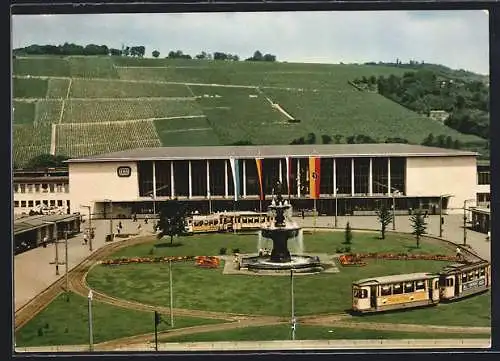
356 259
124 260
207 261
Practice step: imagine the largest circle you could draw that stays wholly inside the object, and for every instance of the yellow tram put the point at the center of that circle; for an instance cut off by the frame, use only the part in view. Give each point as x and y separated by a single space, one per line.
395 292
458 280
226 222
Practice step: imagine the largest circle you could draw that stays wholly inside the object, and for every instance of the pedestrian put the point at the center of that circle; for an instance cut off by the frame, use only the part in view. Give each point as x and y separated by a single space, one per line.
459 253
85 238
134 218
488 236
303 214
45 241
120 225
118 229
146 220
139 227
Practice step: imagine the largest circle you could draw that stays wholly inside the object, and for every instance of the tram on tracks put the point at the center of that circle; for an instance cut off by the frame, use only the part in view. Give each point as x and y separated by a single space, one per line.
227 222
453 282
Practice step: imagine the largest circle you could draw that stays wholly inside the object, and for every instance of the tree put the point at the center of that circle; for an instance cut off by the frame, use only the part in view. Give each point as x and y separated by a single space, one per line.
326 139
155 53
46 161
385 218
347 234
311 138
172 220
419 225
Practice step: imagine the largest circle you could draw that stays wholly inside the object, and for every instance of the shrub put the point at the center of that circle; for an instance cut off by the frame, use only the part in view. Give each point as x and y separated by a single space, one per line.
222 251
46 326
152 250
236 250
40 331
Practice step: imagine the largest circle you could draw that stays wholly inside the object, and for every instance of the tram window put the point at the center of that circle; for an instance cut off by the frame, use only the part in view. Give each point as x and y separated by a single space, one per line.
360 293
449 282
385 291
481 272
464 277
409 287
470 276
420 285
436 285
397 289
476 274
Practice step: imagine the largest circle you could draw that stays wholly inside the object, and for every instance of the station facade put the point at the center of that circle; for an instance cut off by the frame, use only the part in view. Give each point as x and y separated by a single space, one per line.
331 179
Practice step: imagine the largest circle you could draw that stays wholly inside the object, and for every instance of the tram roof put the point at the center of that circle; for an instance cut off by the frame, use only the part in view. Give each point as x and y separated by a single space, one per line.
274 151
461 267
394 278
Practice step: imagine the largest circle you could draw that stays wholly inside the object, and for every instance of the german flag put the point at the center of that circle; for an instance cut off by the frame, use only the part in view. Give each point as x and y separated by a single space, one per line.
314 176
258 161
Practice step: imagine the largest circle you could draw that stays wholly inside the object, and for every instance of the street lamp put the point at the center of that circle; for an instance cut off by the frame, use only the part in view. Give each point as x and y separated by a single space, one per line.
336 206
90 228
396 192
56 261
465 219
110 217
209 202
293 320
91 338
171 294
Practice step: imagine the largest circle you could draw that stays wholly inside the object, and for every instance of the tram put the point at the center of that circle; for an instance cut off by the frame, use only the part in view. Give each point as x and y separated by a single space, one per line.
458 280
227 222
395 292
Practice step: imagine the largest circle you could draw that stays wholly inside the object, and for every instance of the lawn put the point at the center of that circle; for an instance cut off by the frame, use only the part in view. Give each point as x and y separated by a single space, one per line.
209 289
66 323
283 332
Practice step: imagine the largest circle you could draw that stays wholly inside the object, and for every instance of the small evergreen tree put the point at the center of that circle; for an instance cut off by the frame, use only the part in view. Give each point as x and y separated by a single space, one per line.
419 225
172 220
348 234
384 218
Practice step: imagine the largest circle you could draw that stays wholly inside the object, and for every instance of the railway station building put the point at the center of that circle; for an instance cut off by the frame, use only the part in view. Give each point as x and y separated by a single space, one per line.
341 179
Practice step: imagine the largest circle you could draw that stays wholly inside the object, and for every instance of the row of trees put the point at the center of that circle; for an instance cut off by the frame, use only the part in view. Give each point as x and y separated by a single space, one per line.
134 51
340 139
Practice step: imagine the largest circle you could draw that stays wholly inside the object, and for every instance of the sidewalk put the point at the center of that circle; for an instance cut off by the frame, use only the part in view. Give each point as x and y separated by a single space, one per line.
33 272
452 228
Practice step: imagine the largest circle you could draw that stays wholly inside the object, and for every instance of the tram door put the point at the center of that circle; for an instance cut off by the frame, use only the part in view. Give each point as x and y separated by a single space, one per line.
373 296
457 284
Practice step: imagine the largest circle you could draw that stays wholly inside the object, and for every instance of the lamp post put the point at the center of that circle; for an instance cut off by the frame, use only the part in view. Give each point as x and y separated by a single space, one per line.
336 207
441 216
293 321
56 261
91 337
90 228
209 202
394 209
66 261
110 217
171 294
465 220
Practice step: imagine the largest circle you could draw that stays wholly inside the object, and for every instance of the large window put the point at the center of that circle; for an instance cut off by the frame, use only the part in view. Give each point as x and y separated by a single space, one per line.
343 166
326 176
398 174
252 180
217 179
199 177
181 174
380 173
361 175
145 176
270 170
162 170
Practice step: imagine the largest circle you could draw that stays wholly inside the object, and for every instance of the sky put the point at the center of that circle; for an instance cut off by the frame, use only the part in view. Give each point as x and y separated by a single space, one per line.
458 39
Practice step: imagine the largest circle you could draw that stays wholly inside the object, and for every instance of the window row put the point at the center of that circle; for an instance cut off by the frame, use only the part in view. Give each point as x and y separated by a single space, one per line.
47 203
403 287
41 188
483 177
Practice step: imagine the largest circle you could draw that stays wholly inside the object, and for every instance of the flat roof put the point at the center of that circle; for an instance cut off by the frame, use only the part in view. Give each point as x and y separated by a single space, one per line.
28 223
274 151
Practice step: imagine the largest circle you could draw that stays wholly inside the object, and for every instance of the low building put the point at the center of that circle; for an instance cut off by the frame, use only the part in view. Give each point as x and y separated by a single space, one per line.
32 231
333 179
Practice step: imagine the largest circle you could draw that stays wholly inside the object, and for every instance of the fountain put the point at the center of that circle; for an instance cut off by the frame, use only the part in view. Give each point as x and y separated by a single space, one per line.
279 232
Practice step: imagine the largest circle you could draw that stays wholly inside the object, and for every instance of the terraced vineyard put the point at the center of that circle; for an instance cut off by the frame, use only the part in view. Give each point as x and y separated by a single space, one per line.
96 111
91 88
78 140
194 102
29 141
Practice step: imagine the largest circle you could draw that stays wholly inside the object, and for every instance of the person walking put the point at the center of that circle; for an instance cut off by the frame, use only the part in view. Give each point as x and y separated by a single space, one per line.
85 238
459 253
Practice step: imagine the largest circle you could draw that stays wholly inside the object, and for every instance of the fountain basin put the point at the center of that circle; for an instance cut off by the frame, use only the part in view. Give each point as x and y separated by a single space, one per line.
299 263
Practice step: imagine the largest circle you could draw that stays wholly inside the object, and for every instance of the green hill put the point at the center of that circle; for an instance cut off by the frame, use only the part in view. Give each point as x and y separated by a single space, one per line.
79 106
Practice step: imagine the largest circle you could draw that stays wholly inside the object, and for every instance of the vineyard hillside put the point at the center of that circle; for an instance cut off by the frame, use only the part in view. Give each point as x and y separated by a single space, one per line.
78 106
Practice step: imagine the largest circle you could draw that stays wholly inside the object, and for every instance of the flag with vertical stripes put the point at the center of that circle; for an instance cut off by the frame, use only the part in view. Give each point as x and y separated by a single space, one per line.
235 169
314 176
288 174
258 162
